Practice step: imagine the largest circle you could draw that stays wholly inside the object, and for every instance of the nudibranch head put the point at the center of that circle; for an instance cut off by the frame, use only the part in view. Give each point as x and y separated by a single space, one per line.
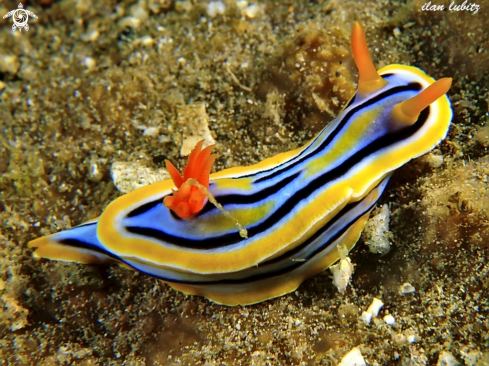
188 199
426 93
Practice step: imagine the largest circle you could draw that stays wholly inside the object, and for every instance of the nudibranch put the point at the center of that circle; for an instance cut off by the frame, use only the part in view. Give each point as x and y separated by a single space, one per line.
296 207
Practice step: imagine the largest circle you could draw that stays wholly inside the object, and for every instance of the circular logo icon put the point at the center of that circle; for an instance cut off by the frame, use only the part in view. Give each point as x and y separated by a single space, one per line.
20 18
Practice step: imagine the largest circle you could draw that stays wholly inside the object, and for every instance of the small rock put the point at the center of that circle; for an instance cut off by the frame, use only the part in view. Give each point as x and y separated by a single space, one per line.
130 22
376 233
252 11
9 63
215 8
129 176
353 358
446 359
90 63
389 319
195 122
407 288
375 307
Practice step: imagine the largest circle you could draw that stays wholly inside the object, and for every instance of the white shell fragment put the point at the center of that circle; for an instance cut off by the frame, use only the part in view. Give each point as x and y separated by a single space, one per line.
252 11
151 131
389 319
215 8
95 174
241 4
366 317
130 22
129 176
343 270
375 307
446 359
376 233
195 122
372 311
90 63
9 63
353 358
471 356
435 160
407 288
342 274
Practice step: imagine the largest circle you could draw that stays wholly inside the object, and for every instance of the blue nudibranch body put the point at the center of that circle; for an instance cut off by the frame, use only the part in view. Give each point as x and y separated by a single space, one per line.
296 206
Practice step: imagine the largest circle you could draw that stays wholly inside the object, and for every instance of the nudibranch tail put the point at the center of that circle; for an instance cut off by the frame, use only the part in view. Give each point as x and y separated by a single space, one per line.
369 79
79 244
189 199
407 112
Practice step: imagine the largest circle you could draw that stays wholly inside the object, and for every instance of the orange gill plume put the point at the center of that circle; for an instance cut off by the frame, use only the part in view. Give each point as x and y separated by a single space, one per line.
188 199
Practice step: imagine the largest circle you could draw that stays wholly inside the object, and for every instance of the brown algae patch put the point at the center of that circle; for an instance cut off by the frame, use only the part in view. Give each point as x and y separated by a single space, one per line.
314 75
456 206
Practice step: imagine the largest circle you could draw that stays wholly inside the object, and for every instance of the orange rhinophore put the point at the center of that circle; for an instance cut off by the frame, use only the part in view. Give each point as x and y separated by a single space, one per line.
189 199
369 79
407 112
